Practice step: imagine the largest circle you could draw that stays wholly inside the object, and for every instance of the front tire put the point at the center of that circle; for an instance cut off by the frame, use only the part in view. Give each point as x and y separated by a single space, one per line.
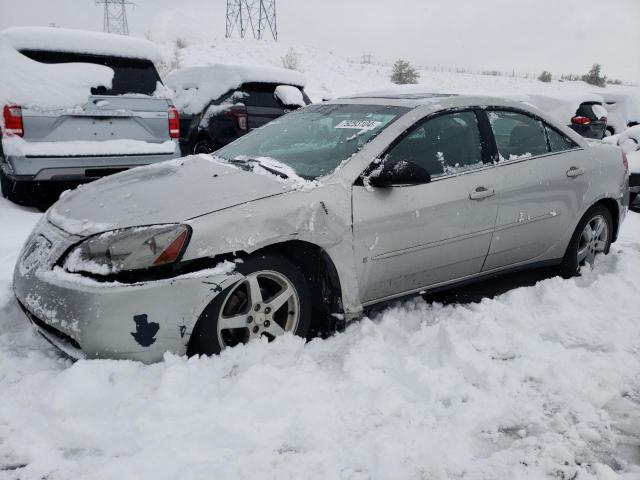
272 299
591 238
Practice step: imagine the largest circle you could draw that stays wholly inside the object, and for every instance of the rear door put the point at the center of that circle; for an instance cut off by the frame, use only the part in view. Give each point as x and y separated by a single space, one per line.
542 177
262 104
127 110
409 237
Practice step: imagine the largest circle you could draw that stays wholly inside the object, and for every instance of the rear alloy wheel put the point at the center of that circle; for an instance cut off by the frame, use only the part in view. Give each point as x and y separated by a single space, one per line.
592 238
272 299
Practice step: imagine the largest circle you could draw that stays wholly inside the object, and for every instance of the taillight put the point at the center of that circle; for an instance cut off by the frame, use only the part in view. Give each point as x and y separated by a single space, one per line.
578 120
174 123
625 161
238 114
13 120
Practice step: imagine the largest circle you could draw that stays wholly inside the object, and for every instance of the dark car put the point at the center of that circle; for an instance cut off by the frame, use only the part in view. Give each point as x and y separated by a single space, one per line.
590 120
220 103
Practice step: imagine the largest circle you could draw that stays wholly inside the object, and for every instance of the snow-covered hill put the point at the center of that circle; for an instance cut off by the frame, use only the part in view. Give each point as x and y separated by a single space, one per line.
330 74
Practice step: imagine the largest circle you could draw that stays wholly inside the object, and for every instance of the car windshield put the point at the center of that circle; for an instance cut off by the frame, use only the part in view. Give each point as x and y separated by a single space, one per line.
131 75
315 140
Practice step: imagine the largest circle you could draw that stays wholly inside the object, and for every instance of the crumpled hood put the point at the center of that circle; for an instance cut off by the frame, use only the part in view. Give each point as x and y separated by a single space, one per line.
167 192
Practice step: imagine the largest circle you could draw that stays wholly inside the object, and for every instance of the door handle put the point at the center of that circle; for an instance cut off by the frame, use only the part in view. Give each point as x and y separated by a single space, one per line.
482 192
574 172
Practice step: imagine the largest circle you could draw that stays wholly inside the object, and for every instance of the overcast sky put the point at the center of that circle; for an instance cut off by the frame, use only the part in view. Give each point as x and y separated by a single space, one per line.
523 35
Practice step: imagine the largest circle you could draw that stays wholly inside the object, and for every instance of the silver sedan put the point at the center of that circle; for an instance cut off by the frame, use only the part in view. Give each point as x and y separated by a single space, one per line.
315 217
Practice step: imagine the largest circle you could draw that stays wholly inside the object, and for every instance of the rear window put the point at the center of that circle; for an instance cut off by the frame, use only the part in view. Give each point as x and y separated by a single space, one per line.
263 95
131 75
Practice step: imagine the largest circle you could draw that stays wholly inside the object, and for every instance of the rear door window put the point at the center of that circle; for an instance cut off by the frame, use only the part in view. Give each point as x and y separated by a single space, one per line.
131 75
518 135
264 95
558 142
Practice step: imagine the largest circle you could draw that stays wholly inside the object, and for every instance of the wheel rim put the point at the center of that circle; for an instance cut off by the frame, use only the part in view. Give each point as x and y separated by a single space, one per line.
202 147
264 304
593 240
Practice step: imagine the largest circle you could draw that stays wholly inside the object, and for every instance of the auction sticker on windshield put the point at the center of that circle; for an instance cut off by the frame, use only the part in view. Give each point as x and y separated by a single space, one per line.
363 125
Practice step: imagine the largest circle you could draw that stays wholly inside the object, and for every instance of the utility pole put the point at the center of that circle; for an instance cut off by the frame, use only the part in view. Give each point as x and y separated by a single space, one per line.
255 16
115 16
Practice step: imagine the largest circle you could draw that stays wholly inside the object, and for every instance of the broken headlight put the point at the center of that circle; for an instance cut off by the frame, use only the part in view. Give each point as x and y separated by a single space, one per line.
128 249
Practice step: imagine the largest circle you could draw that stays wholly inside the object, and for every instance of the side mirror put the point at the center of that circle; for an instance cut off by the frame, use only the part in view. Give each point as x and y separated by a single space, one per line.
390 173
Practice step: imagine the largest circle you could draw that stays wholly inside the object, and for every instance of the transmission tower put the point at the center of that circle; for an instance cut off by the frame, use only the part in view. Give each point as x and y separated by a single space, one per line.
255 16
115 16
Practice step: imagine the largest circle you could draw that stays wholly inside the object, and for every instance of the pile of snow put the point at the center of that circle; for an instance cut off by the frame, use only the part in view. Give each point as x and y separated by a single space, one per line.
195 87
540 382
47 86
81 41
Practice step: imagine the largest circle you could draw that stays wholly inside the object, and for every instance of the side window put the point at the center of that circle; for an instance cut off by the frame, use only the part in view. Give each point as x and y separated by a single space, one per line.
557 141
442 145
518 135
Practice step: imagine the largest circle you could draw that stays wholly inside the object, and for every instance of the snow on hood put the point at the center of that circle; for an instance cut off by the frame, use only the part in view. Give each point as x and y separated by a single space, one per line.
195 87
81 41
166 192
47 86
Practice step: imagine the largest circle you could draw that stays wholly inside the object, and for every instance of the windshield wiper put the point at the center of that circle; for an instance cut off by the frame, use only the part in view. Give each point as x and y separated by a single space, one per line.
252 162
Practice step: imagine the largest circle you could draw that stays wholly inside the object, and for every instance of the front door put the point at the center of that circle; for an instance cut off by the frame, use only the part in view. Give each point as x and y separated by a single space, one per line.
412 237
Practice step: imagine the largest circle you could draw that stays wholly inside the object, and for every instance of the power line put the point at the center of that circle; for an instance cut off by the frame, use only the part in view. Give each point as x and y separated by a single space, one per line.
115 16
257 17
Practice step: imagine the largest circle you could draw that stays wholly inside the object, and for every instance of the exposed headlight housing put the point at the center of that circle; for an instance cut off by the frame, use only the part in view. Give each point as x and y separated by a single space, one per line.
128 250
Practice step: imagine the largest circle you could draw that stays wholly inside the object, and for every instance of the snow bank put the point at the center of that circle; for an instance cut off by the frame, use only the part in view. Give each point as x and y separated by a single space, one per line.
81 41
45 86
540 382
195 87
16 146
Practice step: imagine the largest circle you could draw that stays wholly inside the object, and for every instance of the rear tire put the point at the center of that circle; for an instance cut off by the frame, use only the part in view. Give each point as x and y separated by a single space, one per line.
14 191
238 315
203 146
592 237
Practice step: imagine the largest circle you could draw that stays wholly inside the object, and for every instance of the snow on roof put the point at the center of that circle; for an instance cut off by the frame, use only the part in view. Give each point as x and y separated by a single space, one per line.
80 41
195 87
47 86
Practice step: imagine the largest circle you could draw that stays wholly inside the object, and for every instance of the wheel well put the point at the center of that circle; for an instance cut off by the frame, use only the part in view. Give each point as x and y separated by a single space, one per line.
320 272
611 205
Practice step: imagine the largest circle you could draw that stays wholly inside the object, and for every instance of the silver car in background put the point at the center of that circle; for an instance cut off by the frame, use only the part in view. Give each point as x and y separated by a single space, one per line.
119 127
318 215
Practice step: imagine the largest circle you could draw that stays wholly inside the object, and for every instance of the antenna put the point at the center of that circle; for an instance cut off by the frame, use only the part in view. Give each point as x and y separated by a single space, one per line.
115 16
256 16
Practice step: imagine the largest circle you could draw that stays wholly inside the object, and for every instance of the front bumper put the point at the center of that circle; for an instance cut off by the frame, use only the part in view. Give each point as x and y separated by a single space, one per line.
89 319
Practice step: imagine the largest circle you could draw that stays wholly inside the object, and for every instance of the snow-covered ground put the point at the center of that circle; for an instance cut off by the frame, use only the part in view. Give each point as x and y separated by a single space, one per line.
540 382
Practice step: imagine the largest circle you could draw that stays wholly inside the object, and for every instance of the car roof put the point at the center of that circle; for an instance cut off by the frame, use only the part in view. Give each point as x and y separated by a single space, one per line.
438 101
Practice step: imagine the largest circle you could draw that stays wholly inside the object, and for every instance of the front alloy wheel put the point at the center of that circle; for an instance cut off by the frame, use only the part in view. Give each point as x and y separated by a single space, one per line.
265 304
273 298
